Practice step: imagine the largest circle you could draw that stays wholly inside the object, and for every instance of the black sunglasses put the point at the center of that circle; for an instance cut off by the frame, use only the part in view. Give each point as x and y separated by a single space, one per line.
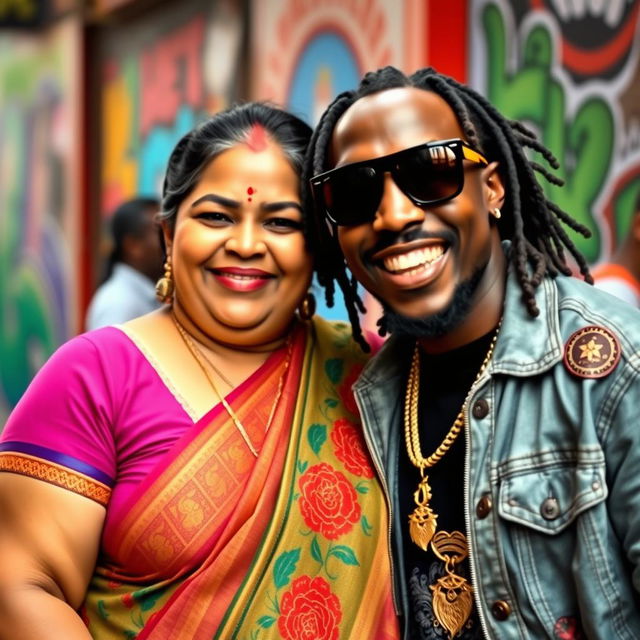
428 174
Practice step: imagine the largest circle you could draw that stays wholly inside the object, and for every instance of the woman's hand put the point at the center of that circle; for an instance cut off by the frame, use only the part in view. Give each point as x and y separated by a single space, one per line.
49 540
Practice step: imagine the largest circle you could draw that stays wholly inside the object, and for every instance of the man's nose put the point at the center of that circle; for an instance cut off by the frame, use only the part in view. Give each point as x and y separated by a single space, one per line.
246 240
395 211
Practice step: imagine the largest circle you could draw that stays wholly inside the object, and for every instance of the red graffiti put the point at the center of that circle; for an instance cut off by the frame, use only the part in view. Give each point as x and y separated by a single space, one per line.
365 13
171 75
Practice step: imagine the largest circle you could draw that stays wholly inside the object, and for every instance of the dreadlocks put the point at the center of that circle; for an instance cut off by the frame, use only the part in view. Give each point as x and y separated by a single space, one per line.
539 238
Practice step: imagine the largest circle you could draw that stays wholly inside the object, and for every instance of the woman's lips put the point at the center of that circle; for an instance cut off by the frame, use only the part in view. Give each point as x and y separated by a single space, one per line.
239 279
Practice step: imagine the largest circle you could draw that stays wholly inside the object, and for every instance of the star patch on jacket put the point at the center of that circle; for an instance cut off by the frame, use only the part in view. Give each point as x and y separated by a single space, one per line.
591 352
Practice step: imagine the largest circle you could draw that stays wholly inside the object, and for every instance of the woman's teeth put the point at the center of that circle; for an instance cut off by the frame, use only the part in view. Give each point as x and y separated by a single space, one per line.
237 276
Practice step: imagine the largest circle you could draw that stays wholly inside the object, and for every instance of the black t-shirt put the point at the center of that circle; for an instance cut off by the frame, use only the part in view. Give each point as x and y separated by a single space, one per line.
445 380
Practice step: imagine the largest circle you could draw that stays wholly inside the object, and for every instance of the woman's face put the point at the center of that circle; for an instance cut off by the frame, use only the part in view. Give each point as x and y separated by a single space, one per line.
238 253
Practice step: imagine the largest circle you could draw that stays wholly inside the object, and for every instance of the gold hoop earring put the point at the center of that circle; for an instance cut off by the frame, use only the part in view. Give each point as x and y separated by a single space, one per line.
496 213
165 285
307 307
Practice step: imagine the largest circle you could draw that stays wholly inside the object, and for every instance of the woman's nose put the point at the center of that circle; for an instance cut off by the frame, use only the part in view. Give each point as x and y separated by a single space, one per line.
396 211
246 240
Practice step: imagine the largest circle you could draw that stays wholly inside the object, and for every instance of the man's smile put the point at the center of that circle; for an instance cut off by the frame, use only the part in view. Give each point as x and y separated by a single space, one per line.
414 264
413 261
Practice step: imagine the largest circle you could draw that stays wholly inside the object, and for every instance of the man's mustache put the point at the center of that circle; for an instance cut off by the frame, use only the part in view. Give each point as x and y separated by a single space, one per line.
388 239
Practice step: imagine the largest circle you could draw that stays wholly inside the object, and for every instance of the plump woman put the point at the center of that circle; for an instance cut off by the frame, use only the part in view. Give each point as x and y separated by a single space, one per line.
199 472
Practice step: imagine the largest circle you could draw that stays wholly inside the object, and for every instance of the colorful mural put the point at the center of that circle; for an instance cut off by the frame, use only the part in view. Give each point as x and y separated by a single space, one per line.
305 53
39 212
160 85
572 71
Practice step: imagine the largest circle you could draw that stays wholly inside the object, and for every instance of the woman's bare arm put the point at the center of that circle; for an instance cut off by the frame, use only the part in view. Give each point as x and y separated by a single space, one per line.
49 540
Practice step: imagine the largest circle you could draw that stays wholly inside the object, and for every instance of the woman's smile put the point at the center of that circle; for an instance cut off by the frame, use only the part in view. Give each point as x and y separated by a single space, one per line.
241 279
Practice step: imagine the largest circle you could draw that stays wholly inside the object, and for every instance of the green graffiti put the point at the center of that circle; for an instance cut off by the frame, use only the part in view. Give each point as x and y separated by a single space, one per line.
26 331
582 142
624 206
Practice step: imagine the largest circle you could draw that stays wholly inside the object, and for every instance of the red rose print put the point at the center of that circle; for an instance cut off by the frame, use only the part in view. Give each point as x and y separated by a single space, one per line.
344 390
309 611
328 501
350 449
128 600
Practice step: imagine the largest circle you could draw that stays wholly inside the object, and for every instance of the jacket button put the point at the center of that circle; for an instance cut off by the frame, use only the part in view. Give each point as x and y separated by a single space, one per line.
501 610
550 509
484 506
480 409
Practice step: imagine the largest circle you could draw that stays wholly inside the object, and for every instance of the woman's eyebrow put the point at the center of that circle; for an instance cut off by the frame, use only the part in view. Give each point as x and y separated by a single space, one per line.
270 207
214 197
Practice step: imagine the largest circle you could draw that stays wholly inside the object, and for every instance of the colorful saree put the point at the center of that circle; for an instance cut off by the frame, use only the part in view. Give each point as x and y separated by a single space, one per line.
293 544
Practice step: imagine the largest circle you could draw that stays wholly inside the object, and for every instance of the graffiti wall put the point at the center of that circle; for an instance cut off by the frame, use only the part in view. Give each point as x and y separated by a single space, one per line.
305 53
160 77
571 70
40 136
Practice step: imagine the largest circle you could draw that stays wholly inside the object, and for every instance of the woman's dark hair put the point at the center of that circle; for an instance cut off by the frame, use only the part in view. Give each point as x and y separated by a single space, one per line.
533 223
131 218
223 131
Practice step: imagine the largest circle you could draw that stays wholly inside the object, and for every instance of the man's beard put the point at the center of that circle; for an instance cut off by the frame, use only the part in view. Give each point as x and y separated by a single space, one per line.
438 324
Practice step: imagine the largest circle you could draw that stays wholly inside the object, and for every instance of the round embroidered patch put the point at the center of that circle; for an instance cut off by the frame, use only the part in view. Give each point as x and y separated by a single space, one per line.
591 352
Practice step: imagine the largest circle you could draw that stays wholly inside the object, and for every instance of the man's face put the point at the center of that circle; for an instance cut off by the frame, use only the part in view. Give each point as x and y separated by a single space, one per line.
415 258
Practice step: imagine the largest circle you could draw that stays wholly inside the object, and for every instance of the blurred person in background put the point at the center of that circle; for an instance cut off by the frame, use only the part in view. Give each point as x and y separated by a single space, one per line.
200 471
135 264
621 275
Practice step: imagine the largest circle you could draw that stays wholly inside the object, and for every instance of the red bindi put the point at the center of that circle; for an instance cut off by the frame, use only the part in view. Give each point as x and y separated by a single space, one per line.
250 192
257 138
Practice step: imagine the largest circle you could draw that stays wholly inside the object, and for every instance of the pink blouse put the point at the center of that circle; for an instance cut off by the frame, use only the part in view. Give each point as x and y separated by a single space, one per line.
99 409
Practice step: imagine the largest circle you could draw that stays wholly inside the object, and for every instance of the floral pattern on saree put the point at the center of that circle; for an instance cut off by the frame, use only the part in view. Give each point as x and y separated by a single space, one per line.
296 561
328 501
310 611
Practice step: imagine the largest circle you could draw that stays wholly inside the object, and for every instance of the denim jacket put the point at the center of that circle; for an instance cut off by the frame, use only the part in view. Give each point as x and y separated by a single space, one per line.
552 470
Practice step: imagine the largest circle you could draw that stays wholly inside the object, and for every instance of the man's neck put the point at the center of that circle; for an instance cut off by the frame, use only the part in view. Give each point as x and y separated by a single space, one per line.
483 315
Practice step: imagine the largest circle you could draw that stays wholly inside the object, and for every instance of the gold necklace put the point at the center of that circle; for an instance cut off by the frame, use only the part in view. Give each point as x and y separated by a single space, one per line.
452 594
199 357
218 372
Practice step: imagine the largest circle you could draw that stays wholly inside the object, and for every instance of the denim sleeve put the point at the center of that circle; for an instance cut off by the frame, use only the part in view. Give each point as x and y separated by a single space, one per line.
620 420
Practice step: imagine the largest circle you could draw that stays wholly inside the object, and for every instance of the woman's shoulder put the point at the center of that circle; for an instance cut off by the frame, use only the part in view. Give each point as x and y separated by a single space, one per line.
336 339
340 332
90 347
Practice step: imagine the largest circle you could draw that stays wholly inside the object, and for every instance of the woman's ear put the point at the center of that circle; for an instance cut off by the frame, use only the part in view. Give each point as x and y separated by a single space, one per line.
493 186
167 237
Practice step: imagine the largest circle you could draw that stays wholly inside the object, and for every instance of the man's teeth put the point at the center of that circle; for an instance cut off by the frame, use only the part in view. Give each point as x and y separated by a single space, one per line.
413 259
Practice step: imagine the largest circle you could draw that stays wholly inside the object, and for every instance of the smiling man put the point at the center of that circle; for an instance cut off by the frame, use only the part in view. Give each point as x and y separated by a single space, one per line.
502 412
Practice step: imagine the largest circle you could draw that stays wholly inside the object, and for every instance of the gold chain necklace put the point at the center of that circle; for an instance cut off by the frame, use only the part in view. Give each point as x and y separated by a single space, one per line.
200 359
451 594
220 374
